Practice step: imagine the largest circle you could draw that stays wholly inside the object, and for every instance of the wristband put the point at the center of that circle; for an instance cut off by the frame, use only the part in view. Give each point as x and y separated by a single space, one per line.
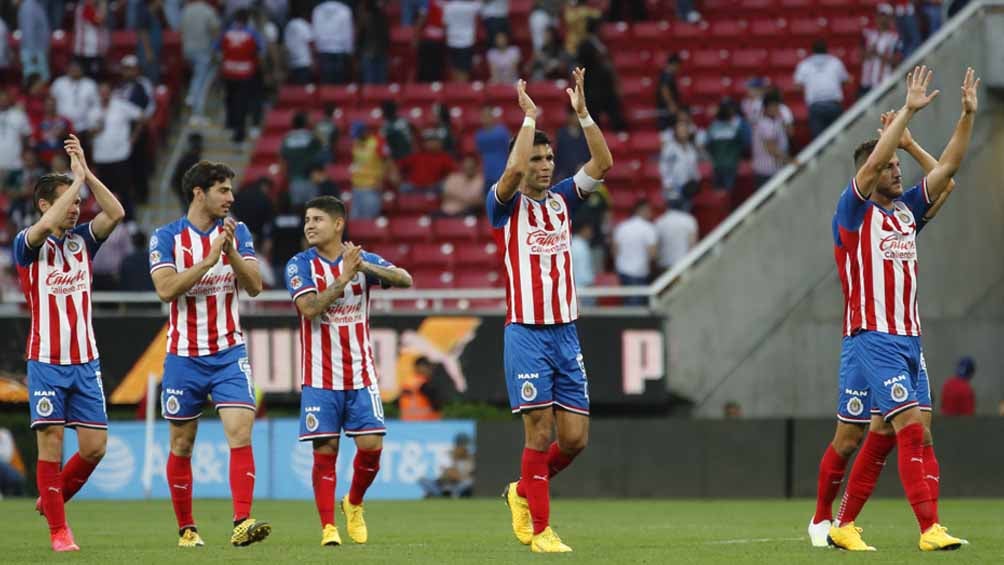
529 122
587 121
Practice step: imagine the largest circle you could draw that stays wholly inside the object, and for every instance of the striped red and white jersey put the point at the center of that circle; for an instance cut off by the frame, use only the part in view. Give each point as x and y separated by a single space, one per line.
876 257
205 320
534 241
335 348
90 38
56 281
883 43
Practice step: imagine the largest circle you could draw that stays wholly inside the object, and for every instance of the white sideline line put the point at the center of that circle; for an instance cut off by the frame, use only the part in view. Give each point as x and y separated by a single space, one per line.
751 540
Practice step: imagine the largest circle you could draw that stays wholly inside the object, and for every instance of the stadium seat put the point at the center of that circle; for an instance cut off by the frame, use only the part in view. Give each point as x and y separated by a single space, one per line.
646 142
456 228
475 256
711 207
768 27
417 203
807 28
785 59
371 95
479 279
368 231
749 59
338 96
652 35
432 255
422 94
396 253
464 94
296 96
411 228
432 278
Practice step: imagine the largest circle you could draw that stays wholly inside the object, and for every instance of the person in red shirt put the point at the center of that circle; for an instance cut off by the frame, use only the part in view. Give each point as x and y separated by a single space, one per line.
957 397
425 169
241 49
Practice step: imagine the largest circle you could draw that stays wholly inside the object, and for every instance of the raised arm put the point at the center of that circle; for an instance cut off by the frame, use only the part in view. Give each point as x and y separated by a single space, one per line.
393 276
56 214
519 158
112 211
916 99
170 284
951 158
926 161
600 158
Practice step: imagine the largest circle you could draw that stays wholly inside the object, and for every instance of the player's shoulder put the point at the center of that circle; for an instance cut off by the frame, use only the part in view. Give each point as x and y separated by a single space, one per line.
171 229
304 256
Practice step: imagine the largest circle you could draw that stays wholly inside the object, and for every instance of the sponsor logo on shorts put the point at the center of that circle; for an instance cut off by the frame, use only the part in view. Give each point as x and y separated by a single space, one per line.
312 409
894 380
528 392
855 407
175 391
44 393
172 405
852 392
311 422
44 407
527 376
898 392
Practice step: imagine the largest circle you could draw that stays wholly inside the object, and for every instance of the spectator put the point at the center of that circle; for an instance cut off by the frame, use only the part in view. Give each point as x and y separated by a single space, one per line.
725 144
191 156
11 466
932 13
149 26
667 97
677 233
286 234
443 127
821 77
627 11
571 149
50 133
678 168
577 15
503 60
881 45
32 101
138 90
582 260
299 57
90 36
463 190
369 166
770 140
76 95
596 212
134 273
457 479
495 16
326 129
549 61
732 410
334 41
460 18
6 59
15 132
107 262
199 25
752 105
374 41
253 206
35 32
112 118
957 396
396 131
300 148
423 395
909 28
635 245
544 19
316 183
410 11
272 61
430 42
241 48
426 169
601 82
492 141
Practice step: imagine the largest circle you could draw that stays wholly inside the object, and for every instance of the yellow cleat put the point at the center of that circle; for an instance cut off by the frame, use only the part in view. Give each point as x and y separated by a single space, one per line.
250 531
354 521
847 536
190 538
548 542
330 535
522 524
937 538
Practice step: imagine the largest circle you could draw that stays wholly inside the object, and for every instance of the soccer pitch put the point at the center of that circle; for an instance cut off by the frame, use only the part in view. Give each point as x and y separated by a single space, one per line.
468 531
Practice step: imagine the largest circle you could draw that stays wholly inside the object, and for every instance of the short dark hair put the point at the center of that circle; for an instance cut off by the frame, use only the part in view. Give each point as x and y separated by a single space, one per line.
204 174
539 138
773 96
299 120
819 46
47 186
861 152
639 204
327 204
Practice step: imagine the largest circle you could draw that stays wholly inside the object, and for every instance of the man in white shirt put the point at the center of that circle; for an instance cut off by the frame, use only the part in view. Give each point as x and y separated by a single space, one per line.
14 132
635 245
460 21
334 40
199 26
76 95
770 140
677 231
822 76
300 59
112 119
582 260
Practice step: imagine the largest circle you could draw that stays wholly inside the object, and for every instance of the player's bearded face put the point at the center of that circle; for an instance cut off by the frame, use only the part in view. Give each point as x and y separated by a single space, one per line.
218 199
891 182
538 176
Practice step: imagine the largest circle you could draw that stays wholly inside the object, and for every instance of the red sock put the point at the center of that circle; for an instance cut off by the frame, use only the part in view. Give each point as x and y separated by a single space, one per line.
557 460
932 475
831 474
242 480
179 480
910 441
364 470
534 471
324 480
50 487
864 474
75 474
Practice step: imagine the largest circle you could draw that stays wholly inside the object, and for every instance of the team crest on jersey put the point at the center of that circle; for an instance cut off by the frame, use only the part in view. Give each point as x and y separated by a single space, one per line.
311 422
903 213
44 407
155 256
72 246
172 405
528 392
296 281
855 407
153 242
898 392
553 203
292 269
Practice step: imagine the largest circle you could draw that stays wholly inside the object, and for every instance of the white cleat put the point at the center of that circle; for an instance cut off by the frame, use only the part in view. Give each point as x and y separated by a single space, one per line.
818 533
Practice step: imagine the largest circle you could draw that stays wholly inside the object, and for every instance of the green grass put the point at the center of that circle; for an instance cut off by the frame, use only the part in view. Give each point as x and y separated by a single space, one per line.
468 531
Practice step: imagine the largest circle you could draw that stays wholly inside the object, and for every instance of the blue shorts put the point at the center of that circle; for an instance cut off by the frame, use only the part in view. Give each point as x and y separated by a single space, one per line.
70 395
543 367
854 404
894 368
188 381
325 413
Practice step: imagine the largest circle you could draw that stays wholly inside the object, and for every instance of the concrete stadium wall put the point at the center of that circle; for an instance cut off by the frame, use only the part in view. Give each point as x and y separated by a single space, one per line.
678 458
758 321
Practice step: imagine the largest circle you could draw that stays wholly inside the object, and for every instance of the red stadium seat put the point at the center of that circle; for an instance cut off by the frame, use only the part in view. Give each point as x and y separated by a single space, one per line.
432 255
368 231
417 203
848 25
267 148
545 93
338 96
456 228
752 59
479 279
711 207
371 95
411 228
796 5
295 96
651 34
464 94
646 142
728 32
785 59
474 256
432 278
708 59
396 253
807 27
607 279
422 94
499 94
768 27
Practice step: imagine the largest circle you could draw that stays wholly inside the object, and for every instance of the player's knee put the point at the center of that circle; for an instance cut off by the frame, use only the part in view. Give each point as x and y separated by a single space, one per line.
93 453
846 445
538 439
182 446
50 437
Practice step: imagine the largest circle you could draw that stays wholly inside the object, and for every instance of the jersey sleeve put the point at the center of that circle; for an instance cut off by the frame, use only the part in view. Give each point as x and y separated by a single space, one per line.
91 241
298 278
161 250
851 208
245 242
576 189
24 254
498 211
374 259
918 200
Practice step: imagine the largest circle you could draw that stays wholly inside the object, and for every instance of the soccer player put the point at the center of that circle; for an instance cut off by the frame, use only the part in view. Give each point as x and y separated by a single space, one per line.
854 410
330 284
545 374
198 264
877 224
53 258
